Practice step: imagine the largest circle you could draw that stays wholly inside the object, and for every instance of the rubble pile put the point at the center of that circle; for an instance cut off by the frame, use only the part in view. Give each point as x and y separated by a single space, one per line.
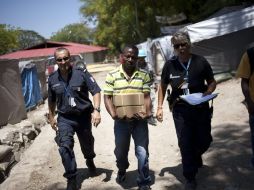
15 139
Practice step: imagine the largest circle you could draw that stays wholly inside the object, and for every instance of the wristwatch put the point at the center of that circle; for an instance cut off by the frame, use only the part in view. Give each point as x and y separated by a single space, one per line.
98 109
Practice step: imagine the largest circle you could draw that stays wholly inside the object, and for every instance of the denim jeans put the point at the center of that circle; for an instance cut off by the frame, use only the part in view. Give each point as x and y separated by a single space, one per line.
251 122
123 131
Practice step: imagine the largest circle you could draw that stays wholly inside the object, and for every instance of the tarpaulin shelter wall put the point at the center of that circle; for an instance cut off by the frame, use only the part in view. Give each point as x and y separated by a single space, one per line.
223 39
158 51
41 69
30 84
12 109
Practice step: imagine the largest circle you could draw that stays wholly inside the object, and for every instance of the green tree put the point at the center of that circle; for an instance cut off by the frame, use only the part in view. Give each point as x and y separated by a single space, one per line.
13 39
8 39
77 32
131 21
28 38
119 22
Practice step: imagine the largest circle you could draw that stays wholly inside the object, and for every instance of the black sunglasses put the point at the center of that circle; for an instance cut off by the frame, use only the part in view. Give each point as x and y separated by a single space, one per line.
61 59
176 46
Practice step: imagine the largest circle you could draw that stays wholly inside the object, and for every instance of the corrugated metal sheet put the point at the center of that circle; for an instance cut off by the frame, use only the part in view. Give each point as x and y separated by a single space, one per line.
74 48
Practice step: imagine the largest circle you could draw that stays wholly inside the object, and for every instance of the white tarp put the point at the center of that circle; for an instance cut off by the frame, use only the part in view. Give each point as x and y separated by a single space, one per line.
223 39
221 25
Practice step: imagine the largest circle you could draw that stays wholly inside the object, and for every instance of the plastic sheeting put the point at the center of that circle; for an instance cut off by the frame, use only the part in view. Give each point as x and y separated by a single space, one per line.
221 25
12 109
30 85
221 40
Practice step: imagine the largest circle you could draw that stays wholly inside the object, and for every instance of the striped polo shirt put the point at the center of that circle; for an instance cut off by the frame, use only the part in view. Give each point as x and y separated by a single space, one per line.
118 82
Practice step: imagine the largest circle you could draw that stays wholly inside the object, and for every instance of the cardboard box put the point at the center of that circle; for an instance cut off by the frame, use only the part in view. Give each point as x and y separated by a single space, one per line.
129 104
129 111
129 99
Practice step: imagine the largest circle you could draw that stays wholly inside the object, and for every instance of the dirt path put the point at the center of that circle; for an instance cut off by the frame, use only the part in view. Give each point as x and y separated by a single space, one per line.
226 163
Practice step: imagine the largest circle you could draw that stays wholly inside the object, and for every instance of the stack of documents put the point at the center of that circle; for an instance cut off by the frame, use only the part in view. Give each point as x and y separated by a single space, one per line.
197 98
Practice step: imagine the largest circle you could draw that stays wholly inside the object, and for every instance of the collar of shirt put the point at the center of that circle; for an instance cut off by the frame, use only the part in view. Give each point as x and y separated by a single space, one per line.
61 78
122 72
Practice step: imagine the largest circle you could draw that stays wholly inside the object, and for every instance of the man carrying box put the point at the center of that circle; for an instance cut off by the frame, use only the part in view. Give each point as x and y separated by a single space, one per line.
127 100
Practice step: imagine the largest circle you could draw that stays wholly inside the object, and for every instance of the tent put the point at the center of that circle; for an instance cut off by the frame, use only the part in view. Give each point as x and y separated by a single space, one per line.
223 39
12 109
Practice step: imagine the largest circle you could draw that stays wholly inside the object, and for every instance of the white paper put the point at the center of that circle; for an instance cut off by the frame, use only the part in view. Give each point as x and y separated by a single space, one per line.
197 98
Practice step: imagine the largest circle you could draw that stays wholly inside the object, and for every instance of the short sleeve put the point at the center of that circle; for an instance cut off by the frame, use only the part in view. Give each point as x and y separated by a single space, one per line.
165 73
208 71
92 85
51 93
147 82
109 85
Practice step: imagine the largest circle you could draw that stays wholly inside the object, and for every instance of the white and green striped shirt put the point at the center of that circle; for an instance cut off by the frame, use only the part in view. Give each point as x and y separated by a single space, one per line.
118 82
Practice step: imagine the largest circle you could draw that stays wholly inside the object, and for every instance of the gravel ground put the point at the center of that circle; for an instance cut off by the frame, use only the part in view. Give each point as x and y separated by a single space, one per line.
226 163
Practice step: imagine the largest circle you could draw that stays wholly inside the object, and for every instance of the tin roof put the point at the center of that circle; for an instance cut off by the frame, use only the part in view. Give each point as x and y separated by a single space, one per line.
48 49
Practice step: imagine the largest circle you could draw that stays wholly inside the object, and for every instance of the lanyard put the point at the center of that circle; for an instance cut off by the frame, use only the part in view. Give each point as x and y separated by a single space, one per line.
186 68
66 85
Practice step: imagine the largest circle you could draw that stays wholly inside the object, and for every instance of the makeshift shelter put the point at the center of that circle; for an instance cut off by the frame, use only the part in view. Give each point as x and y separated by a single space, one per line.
30 84
223 39
41 69
12 109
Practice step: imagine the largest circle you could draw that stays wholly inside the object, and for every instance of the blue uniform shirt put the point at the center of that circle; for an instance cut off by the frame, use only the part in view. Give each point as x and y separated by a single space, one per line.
72 97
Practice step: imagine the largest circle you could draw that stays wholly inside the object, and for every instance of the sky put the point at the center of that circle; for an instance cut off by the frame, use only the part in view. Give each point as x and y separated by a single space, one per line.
45 17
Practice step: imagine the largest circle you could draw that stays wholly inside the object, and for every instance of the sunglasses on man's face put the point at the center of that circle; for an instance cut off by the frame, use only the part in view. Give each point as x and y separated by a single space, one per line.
176 46
61 59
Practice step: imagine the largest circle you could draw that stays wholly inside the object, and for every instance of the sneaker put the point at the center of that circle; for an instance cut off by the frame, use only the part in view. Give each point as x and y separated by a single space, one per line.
90 165
190 185
121 175
144 187
72 184
152 121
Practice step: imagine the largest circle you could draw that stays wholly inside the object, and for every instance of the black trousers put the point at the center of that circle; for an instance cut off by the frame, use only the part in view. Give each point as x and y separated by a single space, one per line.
67 126
193 129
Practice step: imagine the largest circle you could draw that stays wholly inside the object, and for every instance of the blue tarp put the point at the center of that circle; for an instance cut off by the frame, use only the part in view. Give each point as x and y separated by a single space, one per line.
30 87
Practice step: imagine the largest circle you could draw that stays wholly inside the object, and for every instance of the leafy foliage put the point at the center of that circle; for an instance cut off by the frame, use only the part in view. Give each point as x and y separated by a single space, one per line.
29 38
13 39
8 39
131 21
78 33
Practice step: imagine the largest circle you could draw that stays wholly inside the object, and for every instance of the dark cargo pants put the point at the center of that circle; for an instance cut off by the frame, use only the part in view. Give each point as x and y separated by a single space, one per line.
67 126
193 128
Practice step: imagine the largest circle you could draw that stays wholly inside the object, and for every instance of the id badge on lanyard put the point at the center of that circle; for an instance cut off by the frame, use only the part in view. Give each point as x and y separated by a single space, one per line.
185 86
71 100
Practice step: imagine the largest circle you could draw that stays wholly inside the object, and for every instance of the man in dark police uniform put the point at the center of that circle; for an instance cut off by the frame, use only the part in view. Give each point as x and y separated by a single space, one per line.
68 89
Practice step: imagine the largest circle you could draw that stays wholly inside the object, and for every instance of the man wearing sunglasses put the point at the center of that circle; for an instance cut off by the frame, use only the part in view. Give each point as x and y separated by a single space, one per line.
188 73
68 89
